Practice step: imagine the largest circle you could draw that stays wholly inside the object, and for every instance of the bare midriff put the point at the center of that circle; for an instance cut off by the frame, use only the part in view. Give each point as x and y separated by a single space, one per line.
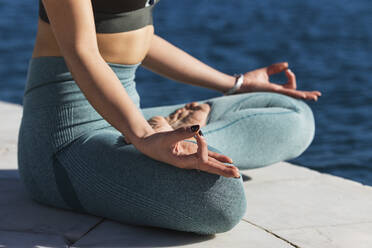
121 48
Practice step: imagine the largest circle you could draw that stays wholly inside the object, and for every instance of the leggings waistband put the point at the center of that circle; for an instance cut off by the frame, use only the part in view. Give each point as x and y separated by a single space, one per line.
49 81
51 69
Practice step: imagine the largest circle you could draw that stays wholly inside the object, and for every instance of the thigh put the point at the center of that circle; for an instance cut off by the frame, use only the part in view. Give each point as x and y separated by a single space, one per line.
109 178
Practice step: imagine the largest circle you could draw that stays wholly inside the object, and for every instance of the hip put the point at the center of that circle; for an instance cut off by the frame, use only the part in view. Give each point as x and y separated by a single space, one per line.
55 110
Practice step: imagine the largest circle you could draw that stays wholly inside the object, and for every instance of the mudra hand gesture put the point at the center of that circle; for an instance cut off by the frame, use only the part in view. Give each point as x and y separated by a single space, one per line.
171 147
259 80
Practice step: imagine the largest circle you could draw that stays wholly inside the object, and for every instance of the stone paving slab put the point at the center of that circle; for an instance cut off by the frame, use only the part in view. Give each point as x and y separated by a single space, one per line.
113 234
320 201
28 239
10 119
320 210
19 213
279 172
343 236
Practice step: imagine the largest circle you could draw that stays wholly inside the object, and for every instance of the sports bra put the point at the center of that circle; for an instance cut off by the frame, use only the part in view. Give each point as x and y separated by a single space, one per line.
114 16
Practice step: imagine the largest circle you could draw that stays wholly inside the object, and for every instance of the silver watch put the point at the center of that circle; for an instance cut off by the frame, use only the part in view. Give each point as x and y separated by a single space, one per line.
238 82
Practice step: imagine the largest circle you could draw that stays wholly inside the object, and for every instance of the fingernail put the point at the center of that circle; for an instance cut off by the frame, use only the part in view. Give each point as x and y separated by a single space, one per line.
195 128
201 133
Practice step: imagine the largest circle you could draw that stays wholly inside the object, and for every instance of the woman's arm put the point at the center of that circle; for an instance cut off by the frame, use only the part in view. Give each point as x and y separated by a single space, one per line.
72 23
167 60
185 68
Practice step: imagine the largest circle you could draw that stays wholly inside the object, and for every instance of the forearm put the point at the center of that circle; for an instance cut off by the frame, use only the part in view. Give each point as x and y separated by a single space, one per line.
107 95
165 59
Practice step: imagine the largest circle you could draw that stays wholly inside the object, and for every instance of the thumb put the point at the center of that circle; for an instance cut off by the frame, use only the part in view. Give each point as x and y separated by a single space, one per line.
291 83
182 133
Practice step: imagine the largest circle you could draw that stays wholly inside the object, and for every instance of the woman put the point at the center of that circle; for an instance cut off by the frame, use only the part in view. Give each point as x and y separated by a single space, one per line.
86 145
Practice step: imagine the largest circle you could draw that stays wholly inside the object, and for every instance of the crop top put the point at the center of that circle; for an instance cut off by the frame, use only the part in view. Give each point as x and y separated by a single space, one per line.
114 16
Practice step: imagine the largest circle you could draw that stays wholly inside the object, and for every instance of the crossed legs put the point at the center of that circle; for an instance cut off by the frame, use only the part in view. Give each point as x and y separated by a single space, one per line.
102 175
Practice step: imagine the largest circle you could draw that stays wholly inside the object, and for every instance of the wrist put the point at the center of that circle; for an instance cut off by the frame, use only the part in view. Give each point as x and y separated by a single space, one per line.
136 135
228 83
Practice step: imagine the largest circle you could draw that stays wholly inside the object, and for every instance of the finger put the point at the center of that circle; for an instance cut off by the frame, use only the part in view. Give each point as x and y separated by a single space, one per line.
318 93
181 133
191 105
311 96
194 104
215 167
291 92
194 161
202 161
220 157
291 83
276 68
202 151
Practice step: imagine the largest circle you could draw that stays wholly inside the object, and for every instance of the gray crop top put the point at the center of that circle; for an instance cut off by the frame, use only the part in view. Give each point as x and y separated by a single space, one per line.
114 16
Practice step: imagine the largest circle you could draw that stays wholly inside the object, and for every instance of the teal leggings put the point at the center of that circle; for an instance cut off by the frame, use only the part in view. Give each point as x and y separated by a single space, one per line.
70 157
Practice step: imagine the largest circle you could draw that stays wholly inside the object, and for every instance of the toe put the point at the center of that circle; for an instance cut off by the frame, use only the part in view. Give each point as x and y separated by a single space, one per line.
191 105
206 106
158 118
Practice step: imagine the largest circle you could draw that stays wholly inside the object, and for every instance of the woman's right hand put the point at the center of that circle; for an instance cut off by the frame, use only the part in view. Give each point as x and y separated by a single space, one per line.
170 147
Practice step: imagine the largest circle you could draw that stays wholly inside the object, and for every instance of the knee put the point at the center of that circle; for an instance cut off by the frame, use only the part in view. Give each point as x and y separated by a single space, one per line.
307 123
302 128
226 219
221 209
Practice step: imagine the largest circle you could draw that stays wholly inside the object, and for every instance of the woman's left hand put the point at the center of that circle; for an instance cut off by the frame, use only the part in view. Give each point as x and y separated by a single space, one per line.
259 80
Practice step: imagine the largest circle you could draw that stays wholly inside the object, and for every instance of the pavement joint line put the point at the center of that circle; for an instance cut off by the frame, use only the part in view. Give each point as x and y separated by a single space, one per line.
321 226
273 234
282 180
72 242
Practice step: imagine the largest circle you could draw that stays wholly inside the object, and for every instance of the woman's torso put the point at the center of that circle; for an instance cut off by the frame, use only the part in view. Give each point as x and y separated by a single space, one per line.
56 112
128 47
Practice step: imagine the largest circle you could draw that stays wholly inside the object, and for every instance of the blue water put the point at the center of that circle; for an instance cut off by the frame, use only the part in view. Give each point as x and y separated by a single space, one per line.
327 43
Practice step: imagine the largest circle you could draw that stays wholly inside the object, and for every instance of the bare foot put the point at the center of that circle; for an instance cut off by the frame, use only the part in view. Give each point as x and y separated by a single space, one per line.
191 114
159 124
